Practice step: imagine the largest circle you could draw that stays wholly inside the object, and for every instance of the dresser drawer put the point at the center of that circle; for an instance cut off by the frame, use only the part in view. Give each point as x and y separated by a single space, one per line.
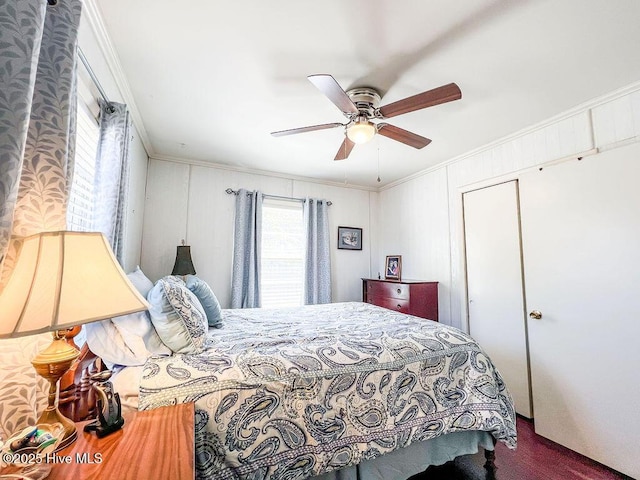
388 289
398 305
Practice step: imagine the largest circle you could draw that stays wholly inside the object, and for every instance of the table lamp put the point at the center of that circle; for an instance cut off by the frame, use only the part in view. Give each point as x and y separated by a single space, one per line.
183 264
60 280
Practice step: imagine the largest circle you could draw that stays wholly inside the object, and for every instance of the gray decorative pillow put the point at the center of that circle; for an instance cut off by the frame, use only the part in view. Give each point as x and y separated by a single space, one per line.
177 316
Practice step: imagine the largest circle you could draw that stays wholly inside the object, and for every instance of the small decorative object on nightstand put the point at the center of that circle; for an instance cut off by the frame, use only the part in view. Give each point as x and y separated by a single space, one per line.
414 297
109 407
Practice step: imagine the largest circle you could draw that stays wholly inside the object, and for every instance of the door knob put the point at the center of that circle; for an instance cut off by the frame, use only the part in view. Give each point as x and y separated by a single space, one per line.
536 314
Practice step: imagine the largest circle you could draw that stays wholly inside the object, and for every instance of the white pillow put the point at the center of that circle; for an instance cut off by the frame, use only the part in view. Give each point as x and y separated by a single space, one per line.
140 281
178 316
136 329
128 339
105 340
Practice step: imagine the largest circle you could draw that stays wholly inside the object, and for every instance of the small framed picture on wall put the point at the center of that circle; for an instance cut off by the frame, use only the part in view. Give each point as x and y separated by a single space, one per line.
393 267
349 238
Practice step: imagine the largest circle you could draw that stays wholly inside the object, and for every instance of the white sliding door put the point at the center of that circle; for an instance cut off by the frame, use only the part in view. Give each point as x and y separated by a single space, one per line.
494 282
581 243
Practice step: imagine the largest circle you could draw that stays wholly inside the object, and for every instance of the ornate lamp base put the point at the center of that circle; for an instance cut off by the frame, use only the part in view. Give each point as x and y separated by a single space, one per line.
52 363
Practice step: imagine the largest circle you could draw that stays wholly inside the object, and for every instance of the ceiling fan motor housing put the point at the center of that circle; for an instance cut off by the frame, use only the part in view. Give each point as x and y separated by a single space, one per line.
366 99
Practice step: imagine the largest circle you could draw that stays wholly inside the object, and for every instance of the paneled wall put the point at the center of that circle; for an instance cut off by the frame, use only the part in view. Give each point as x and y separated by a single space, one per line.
414 223
617 121
435 196
134 212
188 201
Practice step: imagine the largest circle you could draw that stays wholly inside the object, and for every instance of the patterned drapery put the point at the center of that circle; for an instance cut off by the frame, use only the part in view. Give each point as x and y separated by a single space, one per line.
317 260
37 116
112 169
245 286
37 141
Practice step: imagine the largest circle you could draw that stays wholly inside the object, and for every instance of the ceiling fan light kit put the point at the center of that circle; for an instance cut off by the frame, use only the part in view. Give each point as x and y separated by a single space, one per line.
361 130
361 105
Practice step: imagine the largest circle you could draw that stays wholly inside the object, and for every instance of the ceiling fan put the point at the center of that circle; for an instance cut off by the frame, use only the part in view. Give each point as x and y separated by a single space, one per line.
361 106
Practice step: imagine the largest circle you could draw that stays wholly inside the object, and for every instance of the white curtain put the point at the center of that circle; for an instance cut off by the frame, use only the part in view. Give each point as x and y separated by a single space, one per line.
112 170
245 286
37 140
317 265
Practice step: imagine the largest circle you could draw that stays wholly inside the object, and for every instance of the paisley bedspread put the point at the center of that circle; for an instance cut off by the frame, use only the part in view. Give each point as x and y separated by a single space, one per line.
292 393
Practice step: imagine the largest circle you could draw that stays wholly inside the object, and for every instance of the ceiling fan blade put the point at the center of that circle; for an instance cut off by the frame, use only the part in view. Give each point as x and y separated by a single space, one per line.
443 94
311 128
345 149
402 135
334 92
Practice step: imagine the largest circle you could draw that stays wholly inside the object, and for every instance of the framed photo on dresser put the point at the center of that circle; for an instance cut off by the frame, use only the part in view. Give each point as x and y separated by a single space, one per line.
393 267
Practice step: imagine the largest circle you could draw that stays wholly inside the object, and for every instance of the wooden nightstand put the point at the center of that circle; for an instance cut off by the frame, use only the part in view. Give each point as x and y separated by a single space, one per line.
157 444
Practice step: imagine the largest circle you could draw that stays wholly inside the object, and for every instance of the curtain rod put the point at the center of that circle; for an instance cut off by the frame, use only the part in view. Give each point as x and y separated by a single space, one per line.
95 80
293 199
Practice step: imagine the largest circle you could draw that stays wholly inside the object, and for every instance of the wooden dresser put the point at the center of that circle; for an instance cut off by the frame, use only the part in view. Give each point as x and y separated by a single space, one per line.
414 297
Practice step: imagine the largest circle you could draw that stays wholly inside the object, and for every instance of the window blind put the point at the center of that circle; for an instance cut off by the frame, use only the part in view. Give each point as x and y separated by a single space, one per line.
282 254
79 208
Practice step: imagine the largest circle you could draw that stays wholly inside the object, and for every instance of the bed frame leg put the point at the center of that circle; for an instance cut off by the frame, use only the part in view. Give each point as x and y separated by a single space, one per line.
490 464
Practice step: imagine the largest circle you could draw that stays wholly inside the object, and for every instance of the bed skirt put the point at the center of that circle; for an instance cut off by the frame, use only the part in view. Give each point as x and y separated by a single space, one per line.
414 459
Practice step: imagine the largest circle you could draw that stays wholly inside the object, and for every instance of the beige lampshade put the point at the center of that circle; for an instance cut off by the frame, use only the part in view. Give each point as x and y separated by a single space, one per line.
62 279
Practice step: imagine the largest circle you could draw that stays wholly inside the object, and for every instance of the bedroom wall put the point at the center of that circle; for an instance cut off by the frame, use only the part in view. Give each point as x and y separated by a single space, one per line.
607 122
414 223
188 201
99 60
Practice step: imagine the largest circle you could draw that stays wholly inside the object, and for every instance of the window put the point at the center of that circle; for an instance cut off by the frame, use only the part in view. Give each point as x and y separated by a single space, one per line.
80 206
282 255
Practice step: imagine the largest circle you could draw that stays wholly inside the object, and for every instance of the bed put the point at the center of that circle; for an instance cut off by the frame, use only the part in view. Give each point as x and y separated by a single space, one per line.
331 392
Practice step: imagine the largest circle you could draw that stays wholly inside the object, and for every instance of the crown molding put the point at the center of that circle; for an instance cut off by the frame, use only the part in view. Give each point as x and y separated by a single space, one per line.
91 12
255 171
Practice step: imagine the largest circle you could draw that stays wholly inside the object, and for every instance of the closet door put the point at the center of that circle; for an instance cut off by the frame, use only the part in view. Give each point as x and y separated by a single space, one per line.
494 284
581 243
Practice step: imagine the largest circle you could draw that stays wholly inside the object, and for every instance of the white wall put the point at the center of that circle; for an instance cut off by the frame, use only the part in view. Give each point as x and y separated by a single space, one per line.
138 158
188 201
414 223
134 213
604 123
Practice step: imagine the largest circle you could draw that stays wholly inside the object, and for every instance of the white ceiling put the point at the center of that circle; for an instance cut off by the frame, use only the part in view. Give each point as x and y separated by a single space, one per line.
211 79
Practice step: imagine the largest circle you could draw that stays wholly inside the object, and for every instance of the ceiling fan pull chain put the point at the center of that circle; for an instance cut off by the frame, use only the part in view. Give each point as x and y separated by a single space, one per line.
378 159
